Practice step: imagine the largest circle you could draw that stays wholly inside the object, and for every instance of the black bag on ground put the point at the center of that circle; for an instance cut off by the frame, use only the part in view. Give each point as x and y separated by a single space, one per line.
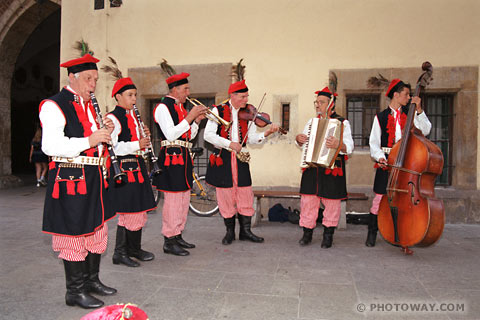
278 213
358 218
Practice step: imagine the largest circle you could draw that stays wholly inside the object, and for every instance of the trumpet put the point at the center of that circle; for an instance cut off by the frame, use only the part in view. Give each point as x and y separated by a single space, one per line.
211 115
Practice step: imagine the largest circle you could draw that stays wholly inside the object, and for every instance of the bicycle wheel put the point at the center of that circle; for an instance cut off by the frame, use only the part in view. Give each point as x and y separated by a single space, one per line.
203 203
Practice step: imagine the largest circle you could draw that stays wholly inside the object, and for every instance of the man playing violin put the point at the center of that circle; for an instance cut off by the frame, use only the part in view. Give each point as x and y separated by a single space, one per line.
176 128
133 199
229 175
386 131
321 185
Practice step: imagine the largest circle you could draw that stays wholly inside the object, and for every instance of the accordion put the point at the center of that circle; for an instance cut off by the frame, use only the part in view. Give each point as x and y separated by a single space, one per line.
314 151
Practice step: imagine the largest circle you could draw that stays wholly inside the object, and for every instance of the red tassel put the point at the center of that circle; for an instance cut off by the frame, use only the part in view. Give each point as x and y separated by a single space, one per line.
82 187
328 171
212 159
346 157
130 176
219 161
335 172
180 160
51 165
56 191
167 160
71 187
340 172
140 177
174 159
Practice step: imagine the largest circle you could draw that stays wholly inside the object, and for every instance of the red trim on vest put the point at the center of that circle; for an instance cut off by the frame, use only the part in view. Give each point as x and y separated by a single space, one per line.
391 126
182 113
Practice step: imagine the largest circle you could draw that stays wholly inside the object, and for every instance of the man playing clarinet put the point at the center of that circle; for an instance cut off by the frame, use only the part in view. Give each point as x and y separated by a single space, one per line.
133 199
75 211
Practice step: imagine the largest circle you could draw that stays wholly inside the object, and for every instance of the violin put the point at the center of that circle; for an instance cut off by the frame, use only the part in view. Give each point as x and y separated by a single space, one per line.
261 119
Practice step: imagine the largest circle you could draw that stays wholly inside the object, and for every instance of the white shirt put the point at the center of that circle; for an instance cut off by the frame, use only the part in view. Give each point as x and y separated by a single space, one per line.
346 139
54 141
123 148
420 121
171 131
211 135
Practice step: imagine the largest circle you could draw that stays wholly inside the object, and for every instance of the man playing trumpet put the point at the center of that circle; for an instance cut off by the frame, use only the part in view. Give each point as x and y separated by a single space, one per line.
176 128
230 176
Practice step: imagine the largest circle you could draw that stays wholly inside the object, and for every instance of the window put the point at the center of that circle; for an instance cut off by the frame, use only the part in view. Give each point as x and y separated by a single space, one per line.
361 110
439 109
286 116
99 4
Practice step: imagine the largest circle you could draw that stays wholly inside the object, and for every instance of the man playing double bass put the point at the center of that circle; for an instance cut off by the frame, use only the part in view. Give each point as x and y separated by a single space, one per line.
230 176
386 131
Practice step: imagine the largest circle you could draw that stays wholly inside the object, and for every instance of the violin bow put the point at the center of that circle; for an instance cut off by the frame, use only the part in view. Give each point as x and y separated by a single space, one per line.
254 117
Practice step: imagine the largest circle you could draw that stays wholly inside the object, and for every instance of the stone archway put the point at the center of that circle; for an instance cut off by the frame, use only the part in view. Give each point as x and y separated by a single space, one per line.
18 19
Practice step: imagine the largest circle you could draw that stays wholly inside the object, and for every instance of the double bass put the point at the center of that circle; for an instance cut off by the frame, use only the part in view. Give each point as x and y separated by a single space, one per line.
409 213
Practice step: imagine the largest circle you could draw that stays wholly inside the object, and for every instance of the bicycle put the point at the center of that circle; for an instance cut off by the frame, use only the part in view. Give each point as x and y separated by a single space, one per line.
203 200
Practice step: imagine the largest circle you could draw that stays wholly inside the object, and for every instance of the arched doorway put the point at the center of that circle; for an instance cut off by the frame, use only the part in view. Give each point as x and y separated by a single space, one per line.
29 51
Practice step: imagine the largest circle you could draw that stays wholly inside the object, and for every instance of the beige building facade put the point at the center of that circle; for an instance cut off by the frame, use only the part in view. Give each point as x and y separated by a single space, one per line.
289 48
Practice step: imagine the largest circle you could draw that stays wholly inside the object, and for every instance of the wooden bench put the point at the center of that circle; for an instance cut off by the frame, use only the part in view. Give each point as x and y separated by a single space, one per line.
259 194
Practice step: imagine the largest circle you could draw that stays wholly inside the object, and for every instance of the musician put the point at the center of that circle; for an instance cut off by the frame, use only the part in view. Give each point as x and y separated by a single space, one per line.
176 128
230 176
134 199
75 208
321 185
386 131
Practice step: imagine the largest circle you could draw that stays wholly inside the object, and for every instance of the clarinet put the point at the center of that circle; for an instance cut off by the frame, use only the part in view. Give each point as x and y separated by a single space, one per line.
149 150
119 175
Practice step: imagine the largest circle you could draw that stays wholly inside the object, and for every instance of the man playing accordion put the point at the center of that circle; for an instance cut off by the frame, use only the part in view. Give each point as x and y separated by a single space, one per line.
324 185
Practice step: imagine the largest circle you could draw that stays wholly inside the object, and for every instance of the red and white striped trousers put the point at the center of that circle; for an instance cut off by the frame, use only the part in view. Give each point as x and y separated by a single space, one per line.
309 205
174 213
376 203
235 199
132 221
77 248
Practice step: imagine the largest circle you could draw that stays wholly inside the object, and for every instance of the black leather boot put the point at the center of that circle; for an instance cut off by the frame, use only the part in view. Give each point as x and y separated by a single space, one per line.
245 232
171 246
327 237
76 291
372 230
120 254
134 246
184 244
92 281
307 237
230 235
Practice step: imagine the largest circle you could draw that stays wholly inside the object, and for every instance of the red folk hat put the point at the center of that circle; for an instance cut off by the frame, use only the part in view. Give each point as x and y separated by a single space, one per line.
325 92
238 86
117 311
177 80
87 62
121 85
394 84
